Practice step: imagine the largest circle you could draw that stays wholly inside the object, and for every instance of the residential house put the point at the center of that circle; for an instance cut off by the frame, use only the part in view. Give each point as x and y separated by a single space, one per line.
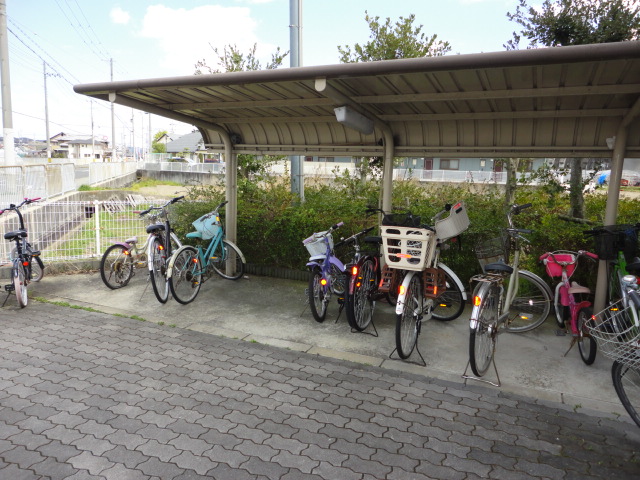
82 148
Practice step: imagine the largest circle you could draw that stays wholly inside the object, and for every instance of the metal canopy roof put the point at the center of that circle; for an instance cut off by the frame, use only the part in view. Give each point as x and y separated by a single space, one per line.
551 102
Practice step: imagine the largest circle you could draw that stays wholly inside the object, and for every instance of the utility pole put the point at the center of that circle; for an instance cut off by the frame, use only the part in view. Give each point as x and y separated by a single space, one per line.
7 110
46 111
133 136
113 123
295 58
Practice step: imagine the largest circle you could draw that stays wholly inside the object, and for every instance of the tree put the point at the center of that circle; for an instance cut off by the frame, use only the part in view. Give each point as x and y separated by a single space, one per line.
233 60
575 22
390 42
156 145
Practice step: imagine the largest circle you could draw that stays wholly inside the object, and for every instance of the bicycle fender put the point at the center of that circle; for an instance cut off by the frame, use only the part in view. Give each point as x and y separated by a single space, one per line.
405 284
124 244
241 254
337 263
455 278
481 291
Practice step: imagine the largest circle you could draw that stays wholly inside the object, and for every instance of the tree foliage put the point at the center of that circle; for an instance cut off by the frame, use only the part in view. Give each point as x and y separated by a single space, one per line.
575 22
156 146
233 60
388 42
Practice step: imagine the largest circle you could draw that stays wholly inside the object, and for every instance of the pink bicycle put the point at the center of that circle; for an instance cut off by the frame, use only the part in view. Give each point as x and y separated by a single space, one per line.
563 263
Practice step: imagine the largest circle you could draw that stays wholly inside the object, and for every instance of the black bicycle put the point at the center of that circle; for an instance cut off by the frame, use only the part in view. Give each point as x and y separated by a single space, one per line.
26 265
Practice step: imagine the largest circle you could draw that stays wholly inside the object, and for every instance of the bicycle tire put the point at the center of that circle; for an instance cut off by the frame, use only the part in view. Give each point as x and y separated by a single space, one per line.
562 312
158 267
531 304
450 304
360 303
626 381
116 266
219 258
586 343
37 269
338 280
20 283
317 299
186 278
409 321
482 338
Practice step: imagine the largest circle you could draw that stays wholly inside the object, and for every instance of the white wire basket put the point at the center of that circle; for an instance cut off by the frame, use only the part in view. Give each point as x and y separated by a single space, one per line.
617 333
408 248
316 244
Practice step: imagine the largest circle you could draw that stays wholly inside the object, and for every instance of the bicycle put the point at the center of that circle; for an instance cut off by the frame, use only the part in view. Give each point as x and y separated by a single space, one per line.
523 306
119 261
563 263
326 272
617 332
189 267
617 244
416 251
364 275
26 264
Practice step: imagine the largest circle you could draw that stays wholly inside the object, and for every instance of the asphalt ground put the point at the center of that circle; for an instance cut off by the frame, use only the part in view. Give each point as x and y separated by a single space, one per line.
243 383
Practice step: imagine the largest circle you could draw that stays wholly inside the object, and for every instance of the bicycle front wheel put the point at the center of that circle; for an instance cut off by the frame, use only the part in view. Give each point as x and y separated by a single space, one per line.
19 283
626 381
37 269
158 266
318 298
226 261
361 303
450 304
530 305
482 337
116 267
586 343
408 322
186 278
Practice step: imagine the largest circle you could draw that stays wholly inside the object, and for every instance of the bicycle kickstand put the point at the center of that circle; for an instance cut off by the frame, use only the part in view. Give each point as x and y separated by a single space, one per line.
472 377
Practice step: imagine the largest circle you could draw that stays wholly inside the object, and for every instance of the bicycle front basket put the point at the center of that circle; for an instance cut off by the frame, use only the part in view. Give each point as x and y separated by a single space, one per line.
617 333
208 225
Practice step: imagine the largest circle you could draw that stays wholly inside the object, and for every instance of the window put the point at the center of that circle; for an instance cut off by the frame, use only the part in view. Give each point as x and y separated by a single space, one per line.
449 164
326 159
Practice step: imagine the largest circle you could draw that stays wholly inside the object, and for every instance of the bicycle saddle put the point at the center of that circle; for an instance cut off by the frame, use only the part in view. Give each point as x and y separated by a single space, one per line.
374 240
576 288
14 234
155 227
498 267
634 266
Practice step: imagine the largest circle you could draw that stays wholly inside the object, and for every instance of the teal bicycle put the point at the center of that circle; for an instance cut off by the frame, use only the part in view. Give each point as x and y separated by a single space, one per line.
189 267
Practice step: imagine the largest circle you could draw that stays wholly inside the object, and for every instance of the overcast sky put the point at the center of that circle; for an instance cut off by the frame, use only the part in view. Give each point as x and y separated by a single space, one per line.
78 39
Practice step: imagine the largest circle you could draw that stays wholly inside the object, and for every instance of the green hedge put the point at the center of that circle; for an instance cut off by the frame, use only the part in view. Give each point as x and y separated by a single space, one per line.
272 223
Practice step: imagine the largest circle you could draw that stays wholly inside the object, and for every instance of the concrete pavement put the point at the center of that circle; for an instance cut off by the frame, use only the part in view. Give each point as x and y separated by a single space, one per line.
247 385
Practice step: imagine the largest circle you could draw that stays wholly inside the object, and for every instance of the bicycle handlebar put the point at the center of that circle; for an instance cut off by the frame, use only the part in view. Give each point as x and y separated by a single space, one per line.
516 209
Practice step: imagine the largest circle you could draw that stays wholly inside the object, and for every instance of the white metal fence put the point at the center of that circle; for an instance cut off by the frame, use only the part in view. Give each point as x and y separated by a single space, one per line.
78 230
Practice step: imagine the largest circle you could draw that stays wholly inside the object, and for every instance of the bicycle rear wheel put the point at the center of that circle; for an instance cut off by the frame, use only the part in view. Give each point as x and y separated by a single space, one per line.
116 266
482 338
531 304
37 269
318 299
626 381
185 280
232 269
361 303
450 304
158 266
408 322
19 283
586 343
